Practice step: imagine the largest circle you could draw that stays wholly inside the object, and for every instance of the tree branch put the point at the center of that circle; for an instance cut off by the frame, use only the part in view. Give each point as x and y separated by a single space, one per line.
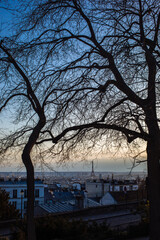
130 134
9 98
31 95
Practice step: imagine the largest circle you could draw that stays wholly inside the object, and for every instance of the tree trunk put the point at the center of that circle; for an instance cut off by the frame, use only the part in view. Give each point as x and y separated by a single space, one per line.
153 158
31 234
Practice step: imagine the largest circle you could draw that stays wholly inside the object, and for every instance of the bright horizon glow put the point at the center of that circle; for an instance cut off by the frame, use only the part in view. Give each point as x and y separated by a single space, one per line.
101 165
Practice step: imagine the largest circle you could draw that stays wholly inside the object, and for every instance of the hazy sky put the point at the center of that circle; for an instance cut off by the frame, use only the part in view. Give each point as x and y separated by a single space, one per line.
103 165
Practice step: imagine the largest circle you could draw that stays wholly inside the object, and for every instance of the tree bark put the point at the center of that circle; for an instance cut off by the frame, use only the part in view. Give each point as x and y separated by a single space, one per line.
154 186
31 234
153 160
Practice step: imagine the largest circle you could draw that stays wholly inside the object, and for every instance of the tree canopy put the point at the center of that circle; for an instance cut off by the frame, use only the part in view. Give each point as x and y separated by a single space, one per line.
86 63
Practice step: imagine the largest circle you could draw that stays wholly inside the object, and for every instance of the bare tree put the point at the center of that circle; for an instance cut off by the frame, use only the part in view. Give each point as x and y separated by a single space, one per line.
18 90
97 63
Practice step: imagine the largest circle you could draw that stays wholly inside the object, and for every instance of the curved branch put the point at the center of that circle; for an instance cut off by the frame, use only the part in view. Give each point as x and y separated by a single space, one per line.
112 107
131 135
31 95
156 31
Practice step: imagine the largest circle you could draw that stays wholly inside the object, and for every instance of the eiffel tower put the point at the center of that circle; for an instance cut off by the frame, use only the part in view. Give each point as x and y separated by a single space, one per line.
92 173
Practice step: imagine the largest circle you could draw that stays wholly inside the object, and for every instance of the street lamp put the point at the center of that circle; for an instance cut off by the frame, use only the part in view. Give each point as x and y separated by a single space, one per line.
22 194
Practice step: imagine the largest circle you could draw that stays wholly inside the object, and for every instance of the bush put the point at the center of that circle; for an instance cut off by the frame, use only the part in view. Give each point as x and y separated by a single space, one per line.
60 228
7 210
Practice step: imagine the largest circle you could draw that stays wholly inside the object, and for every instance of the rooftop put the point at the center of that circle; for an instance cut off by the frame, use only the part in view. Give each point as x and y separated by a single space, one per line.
13 181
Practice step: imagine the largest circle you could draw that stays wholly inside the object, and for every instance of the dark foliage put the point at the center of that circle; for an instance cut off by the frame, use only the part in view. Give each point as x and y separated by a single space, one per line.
63 229
7 210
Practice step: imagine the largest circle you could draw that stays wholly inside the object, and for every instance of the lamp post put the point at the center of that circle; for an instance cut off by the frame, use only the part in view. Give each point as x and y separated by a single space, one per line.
22 194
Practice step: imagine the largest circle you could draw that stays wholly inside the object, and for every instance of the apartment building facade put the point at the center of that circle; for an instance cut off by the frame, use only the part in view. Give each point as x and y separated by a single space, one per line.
17 190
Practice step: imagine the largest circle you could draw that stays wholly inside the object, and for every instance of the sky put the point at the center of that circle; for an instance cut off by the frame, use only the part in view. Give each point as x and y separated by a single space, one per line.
6 17
100 164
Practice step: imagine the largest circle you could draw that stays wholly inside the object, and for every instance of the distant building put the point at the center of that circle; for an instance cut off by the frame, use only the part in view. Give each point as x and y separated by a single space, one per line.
101 190
76 186
97 188
108 199
17 189
123 186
